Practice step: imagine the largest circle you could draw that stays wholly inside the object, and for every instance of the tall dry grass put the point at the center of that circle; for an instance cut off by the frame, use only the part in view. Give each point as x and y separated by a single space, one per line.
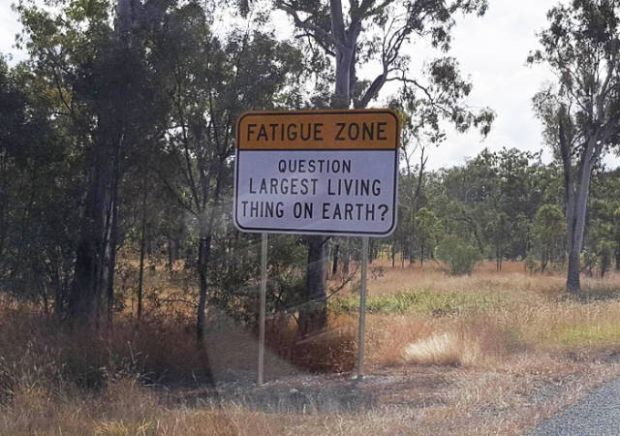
529 314
488 353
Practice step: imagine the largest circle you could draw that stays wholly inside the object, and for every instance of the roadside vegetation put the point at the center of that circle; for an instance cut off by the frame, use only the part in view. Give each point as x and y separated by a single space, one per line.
490 352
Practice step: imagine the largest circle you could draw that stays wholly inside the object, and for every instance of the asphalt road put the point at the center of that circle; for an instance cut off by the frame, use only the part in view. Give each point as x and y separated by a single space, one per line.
597 414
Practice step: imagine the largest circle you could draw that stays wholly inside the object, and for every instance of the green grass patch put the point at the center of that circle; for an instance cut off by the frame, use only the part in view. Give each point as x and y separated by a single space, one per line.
421 302
590 335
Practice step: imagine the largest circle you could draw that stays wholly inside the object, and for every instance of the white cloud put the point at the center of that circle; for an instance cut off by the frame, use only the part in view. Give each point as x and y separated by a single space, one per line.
493 50
9 27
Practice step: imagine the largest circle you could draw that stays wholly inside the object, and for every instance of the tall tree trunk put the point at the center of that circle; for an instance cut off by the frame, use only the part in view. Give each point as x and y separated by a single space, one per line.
576 191
113 234
498 257
335 262
59 295
204 257
85 290
89 272
501 258
371 251
411 237
313 316
45 301
204 254
170 252
142 253
112 243
346 260
576 220
573 281
421 254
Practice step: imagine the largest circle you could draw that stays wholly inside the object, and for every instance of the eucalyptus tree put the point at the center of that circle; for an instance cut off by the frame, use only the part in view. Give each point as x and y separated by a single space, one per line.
581 112
13 125
36 175
358 33
108 107
211 81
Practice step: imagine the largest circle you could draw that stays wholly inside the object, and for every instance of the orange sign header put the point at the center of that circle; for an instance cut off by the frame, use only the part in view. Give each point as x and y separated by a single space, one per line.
319 130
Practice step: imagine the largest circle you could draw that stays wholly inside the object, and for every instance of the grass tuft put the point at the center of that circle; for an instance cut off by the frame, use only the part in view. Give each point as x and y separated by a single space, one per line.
443 349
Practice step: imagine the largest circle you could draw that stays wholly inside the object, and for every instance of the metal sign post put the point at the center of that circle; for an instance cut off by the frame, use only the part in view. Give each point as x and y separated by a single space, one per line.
362 320
263 307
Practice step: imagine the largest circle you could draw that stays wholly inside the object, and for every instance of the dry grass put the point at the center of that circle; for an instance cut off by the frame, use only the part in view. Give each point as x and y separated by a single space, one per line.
490 315
490 353
443 349
432 277
331 351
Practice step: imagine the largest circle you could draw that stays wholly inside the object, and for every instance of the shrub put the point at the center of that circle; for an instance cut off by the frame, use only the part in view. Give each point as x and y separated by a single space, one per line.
460 256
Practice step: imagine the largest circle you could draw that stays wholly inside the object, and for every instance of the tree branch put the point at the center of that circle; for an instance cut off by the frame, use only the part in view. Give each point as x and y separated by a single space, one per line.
318 33
337 20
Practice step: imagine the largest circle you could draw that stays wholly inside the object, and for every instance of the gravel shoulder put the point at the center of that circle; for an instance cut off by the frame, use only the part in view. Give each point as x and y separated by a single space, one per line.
596 414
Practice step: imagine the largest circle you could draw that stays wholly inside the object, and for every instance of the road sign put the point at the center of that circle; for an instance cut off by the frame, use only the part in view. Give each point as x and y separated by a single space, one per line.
317 172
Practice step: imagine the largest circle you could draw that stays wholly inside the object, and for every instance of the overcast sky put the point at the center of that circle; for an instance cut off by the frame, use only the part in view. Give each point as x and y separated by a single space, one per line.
492 50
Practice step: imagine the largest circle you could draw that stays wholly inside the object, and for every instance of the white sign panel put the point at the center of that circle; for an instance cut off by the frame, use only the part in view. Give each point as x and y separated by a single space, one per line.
329 172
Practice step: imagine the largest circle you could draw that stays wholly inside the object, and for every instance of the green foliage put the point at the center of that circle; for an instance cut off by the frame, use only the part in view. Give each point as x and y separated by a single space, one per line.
493 199
150 114
603 237
460 256
588 335
429 231
426 302
581 110
135 118
605 251
234 277
549 234
37 174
